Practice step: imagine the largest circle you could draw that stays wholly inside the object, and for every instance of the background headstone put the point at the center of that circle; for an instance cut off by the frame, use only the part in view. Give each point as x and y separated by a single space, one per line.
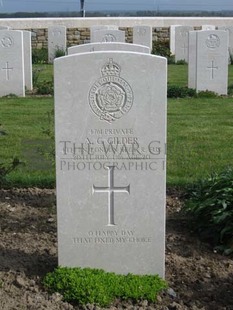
208 61
229 29
192 60
56 41
114 46
11 63
108 35
142 35
181 42
101 27
27 59
172 39
4 28
207 27
110 158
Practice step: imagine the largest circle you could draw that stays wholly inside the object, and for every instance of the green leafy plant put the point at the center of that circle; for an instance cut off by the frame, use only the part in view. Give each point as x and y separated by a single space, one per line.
181 62
59 52
98 287
206 94
231 58
35 76
161 48
6 168
49 132
230 90
39 55
171 59
174 91
210 203
11 95
45 88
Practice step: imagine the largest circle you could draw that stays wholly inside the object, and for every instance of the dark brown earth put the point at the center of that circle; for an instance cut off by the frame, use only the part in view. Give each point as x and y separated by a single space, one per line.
198 277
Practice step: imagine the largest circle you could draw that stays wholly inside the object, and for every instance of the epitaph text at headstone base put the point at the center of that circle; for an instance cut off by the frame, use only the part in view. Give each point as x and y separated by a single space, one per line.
110 158
56 41
103 46
181 42
142 35
12 63
108 35
208 61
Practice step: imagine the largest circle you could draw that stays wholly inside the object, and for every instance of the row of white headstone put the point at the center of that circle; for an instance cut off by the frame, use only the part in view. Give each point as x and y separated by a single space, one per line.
179 39
16 54
207 55
15 62
142 35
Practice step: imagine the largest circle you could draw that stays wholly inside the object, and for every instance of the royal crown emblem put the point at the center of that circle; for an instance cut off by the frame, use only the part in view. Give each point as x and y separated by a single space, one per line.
111 96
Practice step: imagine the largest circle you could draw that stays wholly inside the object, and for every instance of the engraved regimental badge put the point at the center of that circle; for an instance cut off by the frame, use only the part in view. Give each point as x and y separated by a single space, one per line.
7 41
111 96
212 41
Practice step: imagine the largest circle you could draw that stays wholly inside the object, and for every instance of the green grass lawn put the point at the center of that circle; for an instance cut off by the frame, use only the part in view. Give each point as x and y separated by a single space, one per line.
23 121
200 135
177 74
44 72
200 138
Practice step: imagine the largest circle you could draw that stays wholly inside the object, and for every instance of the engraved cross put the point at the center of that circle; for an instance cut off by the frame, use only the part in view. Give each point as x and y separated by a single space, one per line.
7 71
111 189
212 68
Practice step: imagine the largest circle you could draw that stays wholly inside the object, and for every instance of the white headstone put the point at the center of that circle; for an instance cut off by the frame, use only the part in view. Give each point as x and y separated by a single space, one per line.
110 159
114 46
11 63
208 61
56 41
229 29
192 60
108 35
208 27
181 42
172 39
27 59
142 35
101 27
